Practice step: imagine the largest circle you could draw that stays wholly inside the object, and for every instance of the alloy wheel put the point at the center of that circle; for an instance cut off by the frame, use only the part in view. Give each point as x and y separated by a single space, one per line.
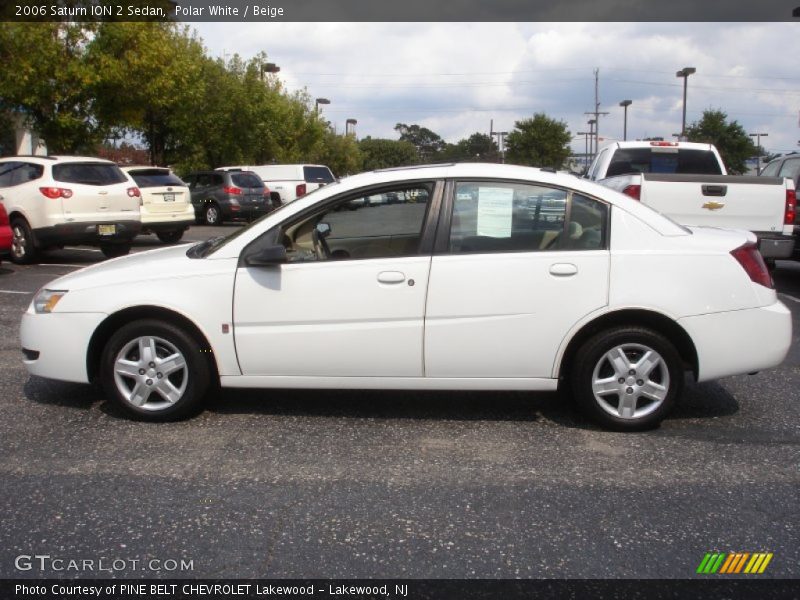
151 373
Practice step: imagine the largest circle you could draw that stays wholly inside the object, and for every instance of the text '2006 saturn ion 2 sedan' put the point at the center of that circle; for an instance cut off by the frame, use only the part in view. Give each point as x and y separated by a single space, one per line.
479 277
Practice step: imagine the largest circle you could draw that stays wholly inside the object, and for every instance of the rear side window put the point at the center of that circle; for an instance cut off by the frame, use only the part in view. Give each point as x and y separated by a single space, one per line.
147 178
317 174
246 180
89 173
790 168
771 170
628 161
7 172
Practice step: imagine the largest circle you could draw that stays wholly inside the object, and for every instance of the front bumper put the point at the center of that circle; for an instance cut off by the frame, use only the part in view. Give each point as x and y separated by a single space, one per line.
740 341
62 343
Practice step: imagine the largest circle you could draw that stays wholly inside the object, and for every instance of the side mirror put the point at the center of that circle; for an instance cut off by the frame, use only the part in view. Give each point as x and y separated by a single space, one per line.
268 257
323 229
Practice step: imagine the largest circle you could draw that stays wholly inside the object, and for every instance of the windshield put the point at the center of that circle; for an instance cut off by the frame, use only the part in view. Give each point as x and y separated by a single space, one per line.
155 178
205 248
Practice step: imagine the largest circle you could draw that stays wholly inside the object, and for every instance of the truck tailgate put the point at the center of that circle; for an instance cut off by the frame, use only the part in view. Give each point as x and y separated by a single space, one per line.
736 202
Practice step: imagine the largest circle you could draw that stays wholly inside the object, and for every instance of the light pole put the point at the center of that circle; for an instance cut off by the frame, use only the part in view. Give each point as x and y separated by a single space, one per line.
758 137
350 127
591 123
625 104
319 101
501 137
585 135
685 72
269 68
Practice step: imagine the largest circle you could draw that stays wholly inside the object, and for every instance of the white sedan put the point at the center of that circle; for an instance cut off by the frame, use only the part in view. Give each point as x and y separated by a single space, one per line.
483 277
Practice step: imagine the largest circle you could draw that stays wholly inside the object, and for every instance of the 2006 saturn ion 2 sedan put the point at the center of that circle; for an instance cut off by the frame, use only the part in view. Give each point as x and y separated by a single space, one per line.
477 277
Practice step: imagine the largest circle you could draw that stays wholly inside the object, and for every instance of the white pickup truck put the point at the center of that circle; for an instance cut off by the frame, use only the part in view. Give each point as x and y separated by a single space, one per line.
688 182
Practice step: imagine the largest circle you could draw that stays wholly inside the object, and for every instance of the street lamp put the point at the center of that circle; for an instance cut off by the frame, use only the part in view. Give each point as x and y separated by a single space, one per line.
758 137
319 101
269 68
591 123
501 136
625 104
350 127
685 72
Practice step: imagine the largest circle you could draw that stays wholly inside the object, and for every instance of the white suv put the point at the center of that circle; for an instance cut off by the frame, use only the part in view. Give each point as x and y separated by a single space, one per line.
166 203
56 200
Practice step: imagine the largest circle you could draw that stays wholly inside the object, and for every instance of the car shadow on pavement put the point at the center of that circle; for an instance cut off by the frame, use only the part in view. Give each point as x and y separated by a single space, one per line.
5 271
60 393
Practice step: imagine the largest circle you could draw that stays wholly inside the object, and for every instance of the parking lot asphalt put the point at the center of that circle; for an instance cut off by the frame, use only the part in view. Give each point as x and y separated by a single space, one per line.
360 484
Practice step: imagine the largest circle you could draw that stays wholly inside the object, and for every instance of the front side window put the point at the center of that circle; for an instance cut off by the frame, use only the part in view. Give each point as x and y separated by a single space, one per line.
790 168
514 217
380 224
8 171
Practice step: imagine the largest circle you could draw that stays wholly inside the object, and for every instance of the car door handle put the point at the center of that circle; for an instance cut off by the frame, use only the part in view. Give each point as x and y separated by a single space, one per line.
391 277
563 269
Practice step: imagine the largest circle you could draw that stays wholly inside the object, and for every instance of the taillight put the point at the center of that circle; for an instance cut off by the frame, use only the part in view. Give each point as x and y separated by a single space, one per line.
790 212
266 191
229 189
3 215
56 192
750 258
300 190
134 192
634 191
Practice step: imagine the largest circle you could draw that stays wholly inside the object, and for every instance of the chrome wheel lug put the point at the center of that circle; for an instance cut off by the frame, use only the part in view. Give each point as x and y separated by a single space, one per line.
141 371
621 380
152 365
149 382
159 375
629 390
631 372
639 382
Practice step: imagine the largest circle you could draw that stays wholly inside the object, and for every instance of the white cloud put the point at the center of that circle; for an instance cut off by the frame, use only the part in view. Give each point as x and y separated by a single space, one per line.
455 77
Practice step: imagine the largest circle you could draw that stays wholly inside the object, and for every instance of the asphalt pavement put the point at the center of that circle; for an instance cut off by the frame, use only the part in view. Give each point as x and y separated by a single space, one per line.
362 484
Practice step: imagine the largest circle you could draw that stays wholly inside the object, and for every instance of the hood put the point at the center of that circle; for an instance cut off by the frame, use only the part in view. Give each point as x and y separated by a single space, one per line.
170 262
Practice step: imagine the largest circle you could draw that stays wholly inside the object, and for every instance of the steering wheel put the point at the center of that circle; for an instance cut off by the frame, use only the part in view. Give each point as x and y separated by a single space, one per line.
321 247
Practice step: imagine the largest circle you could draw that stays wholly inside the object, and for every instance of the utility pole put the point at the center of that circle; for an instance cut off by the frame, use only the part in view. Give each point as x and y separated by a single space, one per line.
501 135
758 137
596 112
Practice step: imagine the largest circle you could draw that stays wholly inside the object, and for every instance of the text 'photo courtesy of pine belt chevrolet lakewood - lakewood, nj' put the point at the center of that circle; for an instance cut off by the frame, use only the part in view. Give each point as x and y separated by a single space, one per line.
460 276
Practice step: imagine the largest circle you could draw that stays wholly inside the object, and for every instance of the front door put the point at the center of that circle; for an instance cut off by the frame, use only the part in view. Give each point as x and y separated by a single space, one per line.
351 299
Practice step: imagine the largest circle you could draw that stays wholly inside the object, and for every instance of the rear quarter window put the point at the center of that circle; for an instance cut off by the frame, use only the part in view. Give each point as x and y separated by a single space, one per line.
89 173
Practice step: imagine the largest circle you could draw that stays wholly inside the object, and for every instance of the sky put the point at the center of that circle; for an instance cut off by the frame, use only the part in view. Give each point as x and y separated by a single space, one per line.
455 77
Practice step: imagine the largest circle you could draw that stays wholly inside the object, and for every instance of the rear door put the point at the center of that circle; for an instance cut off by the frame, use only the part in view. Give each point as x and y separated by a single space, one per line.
516 266
99 192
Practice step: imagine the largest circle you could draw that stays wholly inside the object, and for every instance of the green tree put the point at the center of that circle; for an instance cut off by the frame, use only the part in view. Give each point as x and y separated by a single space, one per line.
48 79
341 153
384 154
478 147
427 143
539 141
732 141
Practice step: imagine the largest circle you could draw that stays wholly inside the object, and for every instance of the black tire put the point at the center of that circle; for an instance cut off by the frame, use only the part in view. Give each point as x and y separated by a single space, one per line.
115 250
612 409
212 215
170 237
192 382
23 243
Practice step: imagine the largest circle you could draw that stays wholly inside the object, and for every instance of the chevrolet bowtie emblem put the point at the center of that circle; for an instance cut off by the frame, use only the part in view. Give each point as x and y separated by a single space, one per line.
713 205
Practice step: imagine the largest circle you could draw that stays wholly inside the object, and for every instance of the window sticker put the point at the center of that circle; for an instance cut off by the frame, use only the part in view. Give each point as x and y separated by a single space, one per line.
495 211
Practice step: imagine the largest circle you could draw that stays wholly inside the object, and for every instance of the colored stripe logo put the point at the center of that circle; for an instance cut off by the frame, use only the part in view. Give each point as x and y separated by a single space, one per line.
734 563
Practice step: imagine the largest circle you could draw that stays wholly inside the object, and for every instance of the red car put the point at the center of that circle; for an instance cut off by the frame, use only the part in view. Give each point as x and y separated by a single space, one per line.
5 231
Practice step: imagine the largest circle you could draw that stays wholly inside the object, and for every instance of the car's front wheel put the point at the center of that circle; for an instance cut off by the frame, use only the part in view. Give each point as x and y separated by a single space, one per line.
155 371
23 246
627 378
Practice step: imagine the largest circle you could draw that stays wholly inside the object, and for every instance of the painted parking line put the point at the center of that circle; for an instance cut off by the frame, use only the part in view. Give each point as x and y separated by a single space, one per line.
14 292
82 249
61 265
792 298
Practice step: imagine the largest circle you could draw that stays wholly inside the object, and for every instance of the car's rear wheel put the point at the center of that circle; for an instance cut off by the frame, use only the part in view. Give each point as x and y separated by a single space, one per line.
170 237
155 371
23 245
627 378
115 250
212 215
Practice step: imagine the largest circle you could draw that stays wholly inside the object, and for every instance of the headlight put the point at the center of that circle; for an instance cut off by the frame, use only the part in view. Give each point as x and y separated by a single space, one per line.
46 300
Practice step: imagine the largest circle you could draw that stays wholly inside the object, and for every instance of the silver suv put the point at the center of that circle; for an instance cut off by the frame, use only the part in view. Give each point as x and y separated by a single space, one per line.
56 200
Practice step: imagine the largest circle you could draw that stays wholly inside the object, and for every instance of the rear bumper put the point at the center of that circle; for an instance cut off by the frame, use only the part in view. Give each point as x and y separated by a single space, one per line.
740 341
176 225
246 211
775 246
86 232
